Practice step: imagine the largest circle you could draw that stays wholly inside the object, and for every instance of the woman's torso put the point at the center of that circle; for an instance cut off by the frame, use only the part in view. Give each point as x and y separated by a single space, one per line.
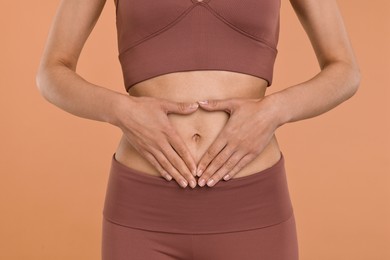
199 129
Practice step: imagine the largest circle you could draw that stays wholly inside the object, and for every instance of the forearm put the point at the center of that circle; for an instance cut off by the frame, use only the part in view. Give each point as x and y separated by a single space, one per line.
64 88
335 83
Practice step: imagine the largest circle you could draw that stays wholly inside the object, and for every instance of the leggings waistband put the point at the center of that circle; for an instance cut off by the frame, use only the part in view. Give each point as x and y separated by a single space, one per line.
139 200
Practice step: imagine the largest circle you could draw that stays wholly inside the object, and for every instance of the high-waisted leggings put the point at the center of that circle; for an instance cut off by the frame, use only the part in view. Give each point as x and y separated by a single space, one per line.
146 217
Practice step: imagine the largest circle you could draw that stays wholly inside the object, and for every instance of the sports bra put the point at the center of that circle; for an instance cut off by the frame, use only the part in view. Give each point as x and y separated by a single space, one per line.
157 37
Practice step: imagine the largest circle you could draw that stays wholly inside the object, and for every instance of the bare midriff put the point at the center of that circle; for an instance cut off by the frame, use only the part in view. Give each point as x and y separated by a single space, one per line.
199 129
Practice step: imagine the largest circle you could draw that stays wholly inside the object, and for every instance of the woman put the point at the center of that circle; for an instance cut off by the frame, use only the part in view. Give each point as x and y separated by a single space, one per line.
196 113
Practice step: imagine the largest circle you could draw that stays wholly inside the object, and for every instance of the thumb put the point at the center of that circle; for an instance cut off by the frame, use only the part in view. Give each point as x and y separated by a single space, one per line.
180 107
227 105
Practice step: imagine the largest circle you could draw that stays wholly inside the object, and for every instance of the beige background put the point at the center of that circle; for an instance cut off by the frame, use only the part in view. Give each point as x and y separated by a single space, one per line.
54 166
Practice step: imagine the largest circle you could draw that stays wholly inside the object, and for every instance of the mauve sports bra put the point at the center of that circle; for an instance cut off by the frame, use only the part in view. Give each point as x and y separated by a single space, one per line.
157 37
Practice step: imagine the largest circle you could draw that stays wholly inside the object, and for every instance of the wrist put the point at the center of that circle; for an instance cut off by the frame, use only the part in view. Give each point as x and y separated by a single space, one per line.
118 106
277 109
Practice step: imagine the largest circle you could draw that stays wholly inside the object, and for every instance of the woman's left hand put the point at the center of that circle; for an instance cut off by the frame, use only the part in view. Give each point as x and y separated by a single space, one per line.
249 129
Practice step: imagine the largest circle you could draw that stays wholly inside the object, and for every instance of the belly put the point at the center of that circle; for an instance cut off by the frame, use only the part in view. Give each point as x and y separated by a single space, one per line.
199 129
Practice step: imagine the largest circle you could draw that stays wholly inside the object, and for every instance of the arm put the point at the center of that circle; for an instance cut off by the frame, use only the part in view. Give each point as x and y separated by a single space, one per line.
339 77
57 79
241 139
59 83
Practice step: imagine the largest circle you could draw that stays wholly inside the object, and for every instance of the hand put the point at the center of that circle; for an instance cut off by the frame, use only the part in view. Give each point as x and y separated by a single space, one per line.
249 129
145 124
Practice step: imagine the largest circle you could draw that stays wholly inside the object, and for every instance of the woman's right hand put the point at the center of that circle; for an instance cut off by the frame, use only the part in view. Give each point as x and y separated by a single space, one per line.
145 123
143 120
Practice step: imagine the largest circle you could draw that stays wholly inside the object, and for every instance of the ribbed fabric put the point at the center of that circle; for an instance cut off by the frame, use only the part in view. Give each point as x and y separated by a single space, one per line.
160 37
139 200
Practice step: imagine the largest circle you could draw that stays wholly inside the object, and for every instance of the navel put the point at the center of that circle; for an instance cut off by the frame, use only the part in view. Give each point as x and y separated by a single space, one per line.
196 138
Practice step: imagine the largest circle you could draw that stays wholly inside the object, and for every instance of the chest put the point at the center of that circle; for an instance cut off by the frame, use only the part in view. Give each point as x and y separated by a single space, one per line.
255 17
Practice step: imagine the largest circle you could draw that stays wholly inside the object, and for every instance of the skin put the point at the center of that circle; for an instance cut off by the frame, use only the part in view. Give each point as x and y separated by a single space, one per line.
231 134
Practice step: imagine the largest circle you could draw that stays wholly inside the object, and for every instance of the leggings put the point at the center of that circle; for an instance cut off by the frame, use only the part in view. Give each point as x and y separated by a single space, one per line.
247 218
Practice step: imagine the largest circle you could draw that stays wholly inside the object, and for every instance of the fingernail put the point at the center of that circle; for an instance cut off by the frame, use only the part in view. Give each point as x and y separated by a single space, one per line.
227 177
183 183
192 184
199 172
210 182
201 182
166 176
203 102
194 105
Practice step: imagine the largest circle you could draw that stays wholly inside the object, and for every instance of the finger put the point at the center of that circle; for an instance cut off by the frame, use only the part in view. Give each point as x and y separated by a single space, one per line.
182 150
228 105
179 165
226 169
216 164
179 107
215 148
152 160
241 164
166 164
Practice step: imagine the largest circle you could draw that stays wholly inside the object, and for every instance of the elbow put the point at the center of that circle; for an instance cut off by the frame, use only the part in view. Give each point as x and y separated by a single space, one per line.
39 82
354 81
348 76
50 74
45 77
44 83
351 78
41 77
